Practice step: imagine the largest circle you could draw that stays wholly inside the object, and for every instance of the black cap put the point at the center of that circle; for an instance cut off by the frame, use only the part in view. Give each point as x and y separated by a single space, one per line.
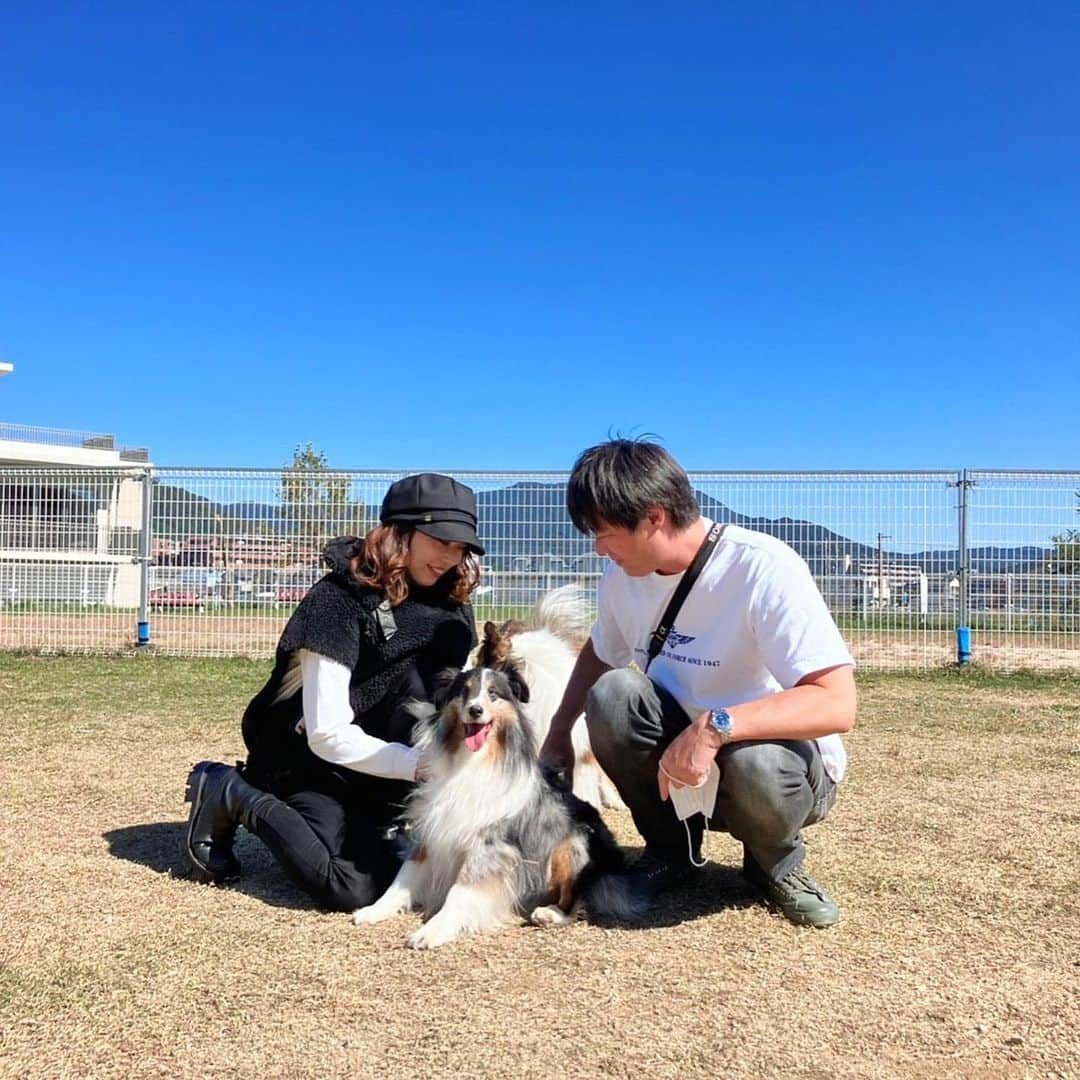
435 505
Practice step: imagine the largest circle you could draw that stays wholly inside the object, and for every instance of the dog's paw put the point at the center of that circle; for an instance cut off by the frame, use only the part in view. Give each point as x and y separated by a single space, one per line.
552 915
432 934
373 913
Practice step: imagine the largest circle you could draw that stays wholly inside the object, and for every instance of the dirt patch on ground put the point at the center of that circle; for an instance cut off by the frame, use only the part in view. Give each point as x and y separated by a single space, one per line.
953 852
194 634
172 634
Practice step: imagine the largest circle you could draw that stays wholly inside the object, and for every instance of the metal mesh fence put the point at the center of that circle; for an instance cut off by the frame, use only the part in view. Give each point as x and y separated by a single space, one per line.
1023 548
881 546
69 558
210 562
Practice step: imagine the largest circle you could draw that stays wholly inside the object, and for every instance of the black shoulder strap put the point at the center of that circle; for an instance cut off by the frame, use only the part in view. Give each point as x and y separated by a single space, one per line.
667 620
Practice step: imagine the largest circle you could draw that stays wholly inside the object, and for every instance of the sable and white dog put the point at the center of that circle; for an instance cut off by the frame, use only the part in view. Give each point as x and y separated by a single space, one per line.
493 837
541 653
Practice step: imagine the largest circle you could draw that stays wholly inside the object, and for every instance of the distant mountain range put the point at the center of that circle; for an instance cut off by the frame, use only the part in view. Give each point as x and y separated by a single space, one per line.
525 526
528 522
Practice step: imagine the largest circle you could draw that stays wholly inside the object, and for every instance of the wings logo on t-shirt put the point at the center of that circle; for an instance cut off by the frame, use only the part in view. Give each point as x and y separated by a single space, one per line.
672 642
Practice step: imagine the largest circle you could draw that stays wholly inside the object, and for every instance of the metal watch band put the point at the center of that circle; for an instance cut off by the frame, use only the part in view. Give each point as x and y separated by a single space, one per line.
720 722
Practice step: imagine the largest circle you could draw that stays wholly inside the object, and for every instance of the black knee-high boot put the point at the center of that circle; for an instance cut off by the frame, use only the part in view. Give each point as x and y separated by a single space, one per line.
221 799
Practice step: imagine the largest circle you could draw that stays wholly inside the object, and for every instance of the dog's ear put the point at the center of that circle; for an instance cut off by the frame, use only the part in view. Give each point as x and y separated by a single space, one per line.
340 552
488 654
517 684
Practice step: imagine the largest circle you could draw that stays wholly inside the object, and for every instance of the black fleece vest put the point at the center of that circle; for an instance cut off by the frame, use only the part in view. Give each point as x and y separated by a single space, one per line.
391 659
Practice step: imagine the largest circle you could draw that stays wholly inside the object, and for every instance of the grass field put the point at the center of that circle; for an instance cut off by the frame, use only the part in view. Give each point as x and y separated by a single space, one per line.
954 851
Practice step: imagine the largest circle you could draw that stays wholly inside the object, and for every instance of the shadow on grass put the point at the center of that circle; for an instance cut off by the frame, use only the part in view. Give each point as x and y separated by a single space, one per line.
713 888
159 846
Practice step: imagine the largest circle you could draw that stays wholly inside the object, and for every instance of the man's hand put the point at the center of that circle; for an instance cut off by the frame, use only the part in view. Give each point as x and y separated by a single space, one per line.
558 748
558 752
689 757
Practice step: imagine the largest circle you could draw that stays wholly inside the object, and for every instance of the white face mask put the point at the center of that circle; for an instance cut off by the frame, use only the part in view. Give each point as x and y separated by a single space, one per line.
687 801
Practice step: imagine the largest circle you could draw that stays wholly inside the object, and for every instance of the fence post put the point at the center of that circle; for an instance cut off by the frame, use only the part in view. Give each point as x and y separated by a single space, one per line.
963 630
143 629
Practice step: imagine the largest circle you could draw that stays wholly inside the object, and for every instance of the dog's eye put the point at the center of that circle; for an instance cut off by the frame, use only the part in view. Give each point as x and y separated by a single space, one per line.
492 694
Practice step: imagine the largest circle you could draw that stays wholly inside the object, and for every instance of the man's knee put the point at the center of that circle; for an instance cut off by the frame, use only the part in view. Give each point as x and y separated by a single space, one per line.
617 689
611 704
764 781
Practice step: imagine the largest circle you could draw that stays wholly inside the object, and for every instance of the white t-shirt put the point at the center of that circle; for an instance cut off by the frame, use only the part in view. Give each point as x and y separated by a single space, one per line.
753 624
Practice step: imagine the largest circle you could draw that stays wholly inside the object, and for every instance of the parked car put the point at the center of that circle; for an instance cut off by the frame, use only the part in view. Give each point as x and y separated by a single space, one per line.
175 598
291 594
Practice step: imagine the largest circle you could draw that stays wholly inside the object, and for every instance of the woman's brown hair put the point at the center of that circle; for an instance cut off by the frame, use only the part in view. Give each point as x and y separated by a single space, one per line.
384 566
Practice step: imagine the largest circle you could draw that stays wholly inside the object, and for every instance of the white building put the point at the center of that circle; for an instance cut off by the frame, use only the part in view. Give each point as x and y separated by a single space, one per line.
71 515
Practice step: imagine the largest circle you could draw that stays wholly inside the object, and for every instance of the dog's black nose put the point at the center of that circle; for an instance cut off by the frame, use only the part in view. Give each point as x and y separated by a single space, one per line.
476 711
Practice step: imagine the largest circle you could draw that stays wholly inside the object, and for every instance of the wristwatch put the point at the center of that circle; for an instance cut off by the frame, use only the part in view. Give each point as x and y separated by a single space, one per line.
720 722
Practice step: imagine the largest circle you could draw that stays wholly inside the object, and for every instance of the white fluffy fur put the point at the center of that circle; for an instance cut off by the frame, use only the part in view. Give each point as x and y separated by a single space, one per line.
466 884
473 868
565 612
455 806
545 656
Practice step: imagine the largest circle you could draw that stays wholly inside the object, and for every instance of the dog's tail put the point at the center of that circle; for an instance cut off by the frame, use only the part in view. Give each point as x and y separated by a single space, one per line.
613 896
607 888
564 612
425 719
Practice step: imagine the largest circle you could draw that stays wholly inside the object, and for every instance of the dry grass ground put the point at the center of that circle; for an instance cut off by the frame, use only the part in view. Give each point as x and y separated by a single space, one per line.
953 850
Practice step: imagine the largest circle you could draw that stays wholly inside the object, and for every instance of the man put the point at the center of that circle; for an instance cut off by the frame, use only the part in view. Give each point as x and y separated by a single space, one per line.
754 676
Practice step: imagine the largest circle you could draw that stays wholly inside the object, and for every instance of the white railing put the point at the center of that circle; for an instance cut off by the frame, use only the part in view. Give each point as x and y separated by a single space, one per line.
56 436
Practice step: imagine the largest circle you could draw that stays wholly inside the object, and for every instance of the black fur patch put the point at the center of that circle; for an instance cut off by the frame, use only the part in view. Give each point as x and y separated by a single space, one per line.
518 685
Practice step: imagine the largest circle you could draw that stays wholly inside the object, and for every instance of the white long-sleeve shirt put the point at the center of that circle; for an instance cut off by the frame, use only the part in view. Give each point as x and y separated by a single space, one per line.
331 733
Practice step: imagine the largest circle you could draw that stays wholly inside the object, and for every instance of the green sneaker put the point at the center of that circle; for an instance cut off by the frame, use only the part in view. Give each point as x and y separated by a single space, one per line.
797 896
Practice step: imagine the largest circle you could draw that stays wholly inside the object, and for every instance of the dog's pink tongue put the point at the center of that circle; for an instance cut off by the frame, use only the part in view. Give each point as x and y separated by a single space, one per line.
476 735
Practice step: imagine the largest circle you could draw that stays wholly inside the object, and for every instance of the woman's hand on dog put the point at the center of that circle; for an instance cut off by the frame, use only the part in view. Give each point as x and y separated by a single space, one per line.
423 765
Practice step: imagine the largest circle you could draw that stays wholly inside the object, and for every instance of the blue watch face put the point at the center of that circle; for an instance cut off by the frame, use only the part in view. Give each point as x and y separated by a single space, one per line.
721 720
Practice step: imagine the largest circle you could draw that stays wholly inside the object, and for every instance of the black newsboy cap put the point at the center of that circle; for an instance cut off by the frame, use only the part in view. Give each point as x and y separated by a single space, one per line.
436 505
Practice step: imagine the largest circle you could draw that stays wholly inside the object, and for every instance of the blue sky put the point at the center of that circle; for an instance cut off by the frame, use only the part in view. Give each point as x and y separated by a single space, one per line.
781 236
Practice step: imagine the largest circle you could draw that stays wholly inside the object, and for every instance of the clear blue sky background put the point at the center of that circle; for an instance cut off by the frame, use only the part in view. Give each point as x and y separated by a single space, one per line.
481 235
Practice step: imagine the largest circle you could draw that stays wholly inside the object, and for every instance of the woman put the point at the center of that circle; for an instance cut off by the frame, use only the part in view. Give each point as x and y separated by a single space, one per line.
328 737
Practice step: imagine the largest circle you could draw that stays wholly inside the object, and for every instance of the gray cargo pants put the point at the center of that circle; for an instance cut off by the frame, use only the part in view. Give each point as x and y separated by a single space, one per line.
768 791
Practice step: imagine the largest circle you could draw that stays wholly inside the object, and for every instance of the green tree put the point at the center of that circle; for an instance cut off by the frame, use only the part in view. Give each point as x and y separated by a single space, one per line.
1066 556
315 500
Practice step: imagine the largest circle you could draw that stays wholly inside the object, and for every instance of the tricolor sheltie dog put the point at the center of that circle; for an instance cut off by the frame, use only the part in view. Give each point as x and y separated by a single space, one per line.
541 653
493 838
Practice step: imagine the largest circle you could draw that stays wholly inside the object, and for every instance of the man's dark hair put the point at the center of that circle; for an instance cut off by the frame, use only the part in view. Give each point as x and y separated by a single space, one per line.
617 482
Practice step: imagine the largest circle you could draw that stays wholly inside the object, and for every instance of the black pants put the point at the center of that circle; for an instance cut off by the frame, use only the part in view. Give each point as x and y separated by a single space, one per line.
330 836
328 827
